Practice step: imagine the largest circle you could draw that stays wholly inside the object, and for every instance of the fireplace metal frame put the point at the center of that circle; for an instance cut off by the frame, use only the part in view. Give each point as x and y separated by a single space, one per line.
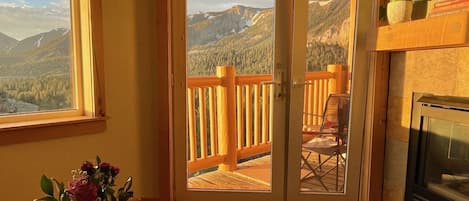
424 106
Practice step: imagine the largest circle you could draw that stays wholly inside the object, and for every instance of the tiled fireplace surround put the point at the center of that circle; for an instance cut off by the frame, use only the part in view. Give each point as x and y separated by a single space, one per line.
440 72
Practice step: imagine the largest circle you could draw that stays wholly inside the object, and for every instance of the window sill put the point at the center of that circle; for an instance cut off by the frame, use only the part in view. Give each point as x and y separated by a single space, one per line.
15 133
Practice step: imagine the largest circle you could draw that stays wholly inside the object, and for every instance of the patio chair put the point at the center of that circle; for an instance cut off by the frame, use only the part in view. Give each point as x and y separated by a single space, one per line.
329 139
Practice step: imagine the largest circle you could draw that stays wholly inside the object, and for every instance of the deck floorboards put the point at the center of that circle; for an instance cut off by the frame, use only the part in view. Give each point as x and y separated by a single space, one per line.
255 175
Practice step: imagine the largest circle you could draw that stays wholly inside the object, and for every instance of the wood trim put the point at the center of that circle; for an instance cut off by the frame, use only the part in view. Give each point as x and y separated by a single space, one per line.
98 57
14 119
435 32
375 139
200 82
77 59
376 114
164 107
52 129
212 161
254 150
318 75
252 79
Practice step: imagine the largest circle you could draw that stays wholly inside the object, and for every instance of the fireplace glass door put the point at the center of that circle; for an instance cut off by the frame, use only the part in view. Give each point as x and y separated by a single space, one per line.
438 160
447 158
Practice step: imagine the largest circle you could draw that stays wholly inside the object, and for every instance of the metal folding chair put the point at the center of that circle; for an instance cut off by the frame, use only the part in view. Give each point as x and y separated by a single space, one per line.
330 140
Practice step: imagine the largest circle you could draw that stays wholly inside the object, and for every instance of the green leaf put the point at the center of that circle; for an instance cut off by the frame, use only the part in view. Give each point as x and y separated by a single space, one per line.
48 198
47 186
60 185
98 160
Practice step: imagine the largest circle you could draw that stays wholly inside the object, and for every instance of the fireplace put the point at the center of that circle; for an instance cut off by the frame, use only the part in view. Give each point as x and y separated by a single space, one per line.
438 160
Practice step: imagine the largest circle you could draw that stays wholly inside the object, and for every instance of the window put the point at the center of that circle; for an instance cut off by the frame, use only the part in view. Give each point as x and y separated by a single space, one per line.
50 62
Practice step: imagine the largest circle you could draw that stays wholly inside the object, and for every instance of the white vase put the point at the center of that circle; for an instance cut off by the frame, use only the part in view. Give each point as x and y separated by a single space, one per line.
399 11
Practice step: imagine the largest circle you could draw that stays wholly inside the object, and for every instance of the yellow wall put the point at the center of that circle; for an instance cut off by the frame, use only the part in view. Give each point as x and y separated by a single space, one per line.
130 140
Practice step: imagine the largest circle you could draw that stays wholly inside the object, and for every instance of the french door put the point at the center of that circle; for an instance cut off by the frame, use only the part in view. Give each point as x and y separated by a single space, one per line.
242 137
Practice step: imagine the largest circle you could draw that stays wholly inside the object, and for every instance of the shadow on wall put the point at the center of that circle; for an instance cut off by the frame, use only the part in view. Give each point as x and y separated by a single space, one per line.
148 97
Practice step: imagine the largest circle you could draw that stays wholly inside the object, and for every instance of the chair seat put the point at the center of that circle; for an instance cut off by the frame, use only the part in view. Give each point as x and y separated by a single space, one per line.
324 146
320 142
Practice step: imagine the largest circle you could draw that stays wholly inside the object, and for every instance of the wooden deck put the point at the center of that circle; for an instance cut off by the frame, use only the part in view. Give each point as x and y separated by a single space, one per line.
255 175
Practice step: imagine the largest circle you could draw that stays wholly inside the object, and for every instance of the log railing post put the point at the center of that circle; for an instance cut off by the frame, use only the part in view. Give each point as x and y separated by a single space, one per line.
226 111
338 84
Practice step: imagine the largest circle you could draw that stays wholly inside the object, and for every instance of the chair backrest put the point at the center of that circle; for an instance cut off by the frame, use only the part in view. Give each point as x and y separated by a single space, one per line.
336 114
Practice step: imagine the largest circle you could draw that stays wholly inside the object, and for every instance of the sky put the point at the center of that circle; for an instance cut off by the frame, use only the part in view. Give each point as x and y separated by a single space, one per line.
24 18
195 6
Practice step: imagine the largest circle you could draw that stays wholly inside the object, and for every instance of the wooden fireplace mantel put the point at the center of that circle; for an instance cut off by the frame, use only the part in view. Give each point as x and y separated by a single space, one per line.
432 33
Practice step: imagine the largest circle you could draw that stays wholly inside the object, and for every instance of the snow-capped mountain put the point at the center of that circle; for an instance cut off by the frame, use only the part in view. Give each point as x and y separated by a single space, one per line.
204 28
39 41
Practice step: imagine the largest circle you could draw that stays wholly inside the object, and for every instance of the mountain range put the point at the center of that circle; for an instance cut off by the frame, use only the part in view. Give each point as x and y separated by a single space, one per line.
44 53
35 72
243 36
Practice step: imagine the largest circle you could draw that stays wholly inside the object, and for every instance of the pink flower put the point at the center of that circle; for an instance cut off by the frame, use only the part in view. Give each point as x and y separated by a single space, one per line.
104 167
114 171
88 168
83 190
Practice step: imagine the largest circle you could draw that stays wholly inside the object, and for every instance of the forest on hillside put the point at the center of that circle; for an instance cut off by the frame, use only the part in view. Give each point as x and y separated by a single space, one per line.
259 59
251 60
49 92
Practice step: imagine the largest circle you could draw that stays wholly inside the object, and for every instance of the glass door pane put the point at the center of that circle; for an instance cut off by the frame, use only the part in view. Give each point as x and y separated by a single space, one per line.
321 150
229 104
326 97
229 95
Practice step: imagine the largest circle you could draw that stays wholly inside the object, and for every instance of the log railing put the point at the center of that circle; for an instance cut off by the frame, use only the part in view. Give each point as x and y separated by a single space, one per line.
230 117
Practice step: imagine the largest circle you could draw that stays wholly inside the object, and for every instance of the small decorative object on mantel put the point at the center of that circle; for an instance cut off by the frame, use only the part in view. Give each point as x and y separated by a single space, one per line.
92 182
446 7
399 11
419 10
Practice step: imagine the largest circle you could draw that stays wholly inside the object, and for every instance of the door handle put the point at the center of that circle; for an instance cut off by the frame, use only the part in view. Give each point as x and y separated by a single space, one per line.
279 89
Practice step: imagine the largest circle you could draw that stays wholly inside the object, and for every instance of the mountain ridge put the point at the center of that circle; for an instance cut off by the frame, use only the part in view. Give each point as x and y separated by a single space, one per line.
40 54
6 43
39 40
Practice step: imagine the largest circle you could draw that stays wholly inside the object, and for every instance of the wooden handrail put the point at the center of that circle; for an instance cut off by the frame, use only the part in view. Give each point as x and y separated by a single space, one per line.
230 116
319 75
252 79
202 82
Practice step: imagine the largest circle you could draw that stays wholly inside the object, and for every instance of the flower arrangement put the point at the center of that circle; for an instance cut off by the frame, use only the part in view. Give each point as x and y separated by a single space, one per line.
92 182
